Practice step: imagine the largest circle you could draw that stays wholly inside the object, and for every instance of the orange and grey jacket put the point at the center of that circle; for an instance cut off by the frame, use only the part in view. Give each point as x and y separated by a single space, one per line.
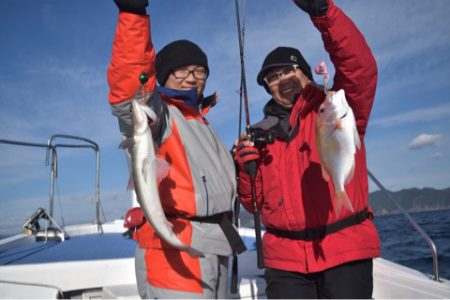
201 179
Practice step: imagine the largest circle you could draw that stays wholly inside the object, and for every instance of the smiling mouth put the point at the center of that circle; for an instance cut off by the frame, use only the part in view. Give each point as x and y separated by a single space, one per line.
287 91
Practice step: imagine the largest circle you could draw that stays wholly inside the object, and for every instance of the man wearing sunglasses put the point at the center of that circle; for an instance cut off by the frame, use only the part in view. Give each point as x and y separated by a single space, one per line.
309 251
198 192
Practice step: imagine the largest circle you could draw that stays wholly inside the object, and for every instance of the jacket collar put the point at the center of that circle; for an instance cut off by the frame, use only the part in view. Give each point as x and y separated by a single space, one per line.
282 127
188 97
187 102
289 119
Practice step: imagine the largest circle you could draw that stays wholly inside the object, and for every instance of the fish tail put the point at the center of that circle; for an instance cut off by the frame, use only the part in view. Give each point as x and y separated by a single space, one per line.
341 200
127 143
130 185
193 253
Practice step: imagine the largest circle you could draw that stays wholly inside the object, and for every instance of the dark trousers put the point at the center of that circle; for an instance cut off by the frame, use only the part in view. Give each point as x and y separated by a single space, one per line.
352 280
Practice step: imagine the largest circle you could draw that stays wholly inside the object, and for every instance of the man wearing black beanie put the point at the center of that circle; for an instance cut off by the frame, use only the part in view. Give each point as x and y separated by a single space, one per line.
199 189
178 54
309 250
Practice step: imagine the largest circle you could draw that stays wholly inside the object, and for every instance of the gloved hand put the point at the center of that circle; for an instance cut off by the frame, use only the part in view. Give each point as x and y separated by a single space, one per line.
315 8
134 218
245 152
132 6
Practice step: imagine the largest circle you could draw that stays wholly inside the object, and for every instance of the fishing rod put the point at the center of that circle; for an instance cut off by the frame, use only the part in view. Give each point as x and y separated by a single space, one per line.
243 88
237 202
251 167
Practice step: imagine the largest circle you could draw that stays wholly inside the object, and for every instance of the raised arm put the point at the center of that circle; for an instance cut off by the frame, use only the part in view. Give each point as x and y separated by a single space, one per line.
356 69
132 53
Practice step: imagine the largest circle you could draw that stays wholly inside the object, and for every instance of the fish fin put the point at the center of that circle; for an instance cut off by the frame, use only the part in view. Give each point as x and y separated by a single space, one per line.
338 124
325 174
351 173
150 113
162 169
356 137
130 185
341 200
127 143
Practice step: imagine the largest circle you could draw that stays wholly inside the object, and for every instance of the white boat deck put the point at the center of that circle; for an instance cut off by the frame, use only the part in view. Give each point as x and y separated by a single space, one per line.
89 264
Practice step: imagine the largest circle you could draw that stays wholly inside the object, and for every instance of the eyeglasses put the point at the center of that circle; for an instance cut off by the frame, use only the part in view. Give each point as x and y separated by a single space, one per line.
198 73
274 77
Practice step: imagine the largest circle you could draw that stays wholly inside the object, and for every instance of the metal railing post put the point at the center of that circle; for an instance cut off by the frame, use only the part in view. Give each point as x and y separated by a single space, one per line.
53 175
95 147
51 146
416 226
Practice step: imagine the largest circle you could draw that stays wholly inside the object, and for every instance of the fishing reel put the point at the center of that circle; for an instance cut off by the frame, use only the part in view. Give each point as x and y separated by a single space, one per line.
260 138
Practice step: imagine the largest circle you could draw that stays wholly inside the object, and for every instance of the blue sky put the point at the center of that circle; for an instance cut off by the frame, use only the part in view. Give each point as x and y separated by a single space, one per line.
54 56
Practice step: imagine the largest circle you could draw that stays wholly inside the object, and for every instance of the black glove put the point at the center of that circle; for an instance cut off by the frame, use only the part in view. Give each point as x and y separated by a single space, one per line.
132 6
315 8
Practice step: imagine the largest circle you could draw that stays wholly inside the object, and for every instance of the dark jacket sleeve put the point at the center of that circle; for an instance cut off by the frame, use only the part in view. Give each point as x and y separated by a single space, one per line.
356 69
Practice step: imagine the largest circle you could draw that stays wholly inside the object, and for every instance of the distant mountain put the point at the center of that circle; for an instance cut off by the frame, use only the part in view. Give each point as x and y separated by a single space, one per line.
411 200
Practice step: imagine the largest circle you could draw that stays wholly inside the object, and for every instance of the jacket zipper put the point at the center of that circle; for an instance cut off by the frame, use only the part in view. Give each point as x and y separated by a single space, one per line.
211 134
206 192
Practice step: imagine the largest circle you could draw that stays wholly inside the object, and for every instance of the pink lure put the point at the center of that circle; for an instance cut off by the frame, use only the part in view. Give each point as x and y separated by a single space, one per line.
321 69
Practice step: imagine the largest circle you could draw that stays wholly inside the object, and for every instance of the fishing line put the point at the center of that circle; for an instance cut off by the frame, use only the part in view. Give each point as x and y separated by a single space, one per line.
321 69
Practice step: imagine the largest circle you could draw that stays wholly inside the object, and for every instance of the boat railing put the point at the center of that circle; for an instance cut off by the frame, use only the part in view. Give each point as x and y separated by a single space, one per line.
414 224
52 146
51 155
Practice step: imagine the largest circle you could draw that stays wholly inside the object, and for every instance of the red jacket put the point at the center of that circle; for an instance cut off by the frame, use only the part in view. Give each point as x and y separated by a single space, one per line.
291 194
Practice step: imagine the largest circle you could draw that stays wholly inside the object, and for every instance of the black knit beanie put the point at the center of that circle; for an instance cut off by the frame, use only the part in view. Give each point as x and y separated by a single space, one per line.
178 54
283 56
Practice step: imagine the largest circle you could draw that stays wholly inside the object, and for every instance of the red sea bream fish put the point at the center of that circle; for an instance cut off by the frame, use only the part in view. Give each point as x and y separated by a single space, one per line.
145 168
337 140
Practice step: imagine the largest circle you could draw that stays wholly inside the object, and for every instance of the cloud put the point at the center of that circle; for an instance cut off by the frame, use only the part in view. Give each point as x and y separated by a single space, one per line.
424 140
419 115
58 96
436 155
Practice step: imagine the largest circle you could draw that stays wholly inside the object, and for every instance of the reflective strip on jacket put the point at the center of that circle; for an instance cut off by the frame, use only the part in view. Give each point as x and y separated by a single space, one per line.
291 194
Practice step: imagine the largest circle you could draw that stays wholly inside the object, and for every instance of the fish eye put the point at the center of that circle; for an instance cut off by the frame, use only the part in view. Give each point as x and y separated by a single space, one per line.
321 110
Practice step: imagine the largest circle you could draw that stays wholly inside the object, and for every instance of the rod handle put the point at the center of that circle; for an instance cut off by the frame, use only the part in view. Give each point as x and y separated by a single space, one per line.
259 250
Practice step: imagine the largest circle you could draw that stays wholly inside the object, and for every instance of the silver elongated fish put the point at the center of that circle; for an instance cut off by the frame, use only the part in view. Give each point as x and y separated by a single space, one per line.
144 169
337 140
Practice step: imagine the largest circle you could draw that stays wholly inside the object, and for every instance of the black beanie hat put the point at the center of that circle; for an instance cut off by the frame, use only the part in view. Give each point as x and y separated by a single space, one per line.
178 54
283 56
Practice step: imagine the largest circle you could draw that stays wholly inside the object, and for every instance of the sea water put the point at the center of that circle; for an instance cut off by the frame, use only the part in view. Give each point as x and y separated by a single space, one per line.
401 243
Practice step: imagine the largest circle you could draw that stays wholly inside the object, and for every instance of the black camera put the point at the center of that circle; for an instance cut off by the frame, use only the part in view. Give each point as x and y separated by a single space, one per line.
261 138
